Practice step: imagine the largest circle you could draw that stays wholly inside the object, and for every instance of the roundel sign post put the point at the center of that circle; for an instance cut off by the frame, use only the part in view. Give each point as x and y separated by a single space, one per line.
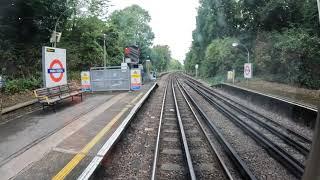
247 70
54 66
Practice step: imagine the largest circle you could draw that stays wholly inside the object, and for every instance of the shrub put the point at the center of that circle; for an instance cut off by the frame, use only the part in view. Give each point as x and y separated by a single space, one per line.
18 85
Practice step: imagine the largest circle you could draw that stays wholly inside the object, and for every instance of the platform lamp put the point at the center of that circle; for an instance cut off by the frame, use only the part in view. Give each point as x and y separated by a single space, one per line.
55 37
236 44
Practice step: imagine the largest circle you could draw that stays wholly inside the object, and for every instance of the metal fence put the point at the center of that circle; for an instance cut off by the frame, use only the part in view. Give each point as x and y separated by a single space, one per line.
109 78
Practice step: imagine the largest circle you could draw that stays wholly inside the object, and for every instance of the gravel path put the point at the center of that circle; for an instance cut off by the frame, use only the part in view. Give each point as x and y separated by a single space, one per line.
258 160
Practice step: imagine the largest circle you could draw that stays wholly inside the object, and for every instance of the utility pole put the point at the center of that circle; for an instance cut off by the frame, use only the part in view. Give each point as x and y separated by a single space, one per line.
104 51
318 2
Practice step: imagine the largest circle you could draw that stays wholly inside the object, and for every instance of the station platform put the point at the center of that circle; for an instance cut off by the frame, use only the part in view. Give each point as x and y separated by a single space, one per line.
59 145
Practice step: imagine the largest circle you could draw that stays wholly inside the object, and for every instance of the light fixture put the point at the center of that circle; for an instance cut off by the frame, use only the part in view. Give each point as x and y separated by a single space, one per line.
235 44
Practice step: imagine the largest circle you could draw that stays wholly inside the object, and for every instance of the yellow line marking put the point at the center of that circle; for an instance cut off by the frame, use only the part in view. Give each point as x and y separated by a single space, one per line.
77 158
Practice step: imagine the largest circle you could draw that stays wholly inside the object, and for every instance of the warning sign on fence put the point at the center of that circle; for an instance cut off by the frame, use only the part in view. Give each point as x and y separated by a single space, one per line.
85 81
135 79
54 70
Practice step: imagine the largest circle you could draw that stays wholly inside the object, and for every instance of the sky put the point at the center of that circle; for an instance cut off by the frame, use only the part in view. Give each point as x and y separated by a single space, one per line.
172 22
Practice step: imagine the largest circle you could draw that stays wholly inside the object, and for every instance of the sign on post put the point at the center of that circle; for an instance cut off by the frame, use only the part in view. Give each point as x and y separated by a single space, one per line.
247 70
85 81
2 82
197 67
54 66
135 79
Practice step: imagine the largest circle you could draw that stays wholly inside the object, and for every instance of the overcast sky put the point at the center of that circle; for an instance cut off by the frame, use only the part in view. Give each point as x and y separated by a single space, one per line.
172 22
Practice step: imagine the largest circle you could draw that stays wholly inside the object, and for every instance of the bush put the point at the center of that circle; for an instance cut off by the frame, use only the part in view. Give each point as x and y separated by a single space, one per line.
18 85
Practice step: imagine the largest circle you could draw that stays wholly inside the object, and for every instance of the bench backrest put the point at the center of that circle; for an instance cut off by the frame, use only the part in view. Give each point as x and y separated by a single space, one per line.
56 91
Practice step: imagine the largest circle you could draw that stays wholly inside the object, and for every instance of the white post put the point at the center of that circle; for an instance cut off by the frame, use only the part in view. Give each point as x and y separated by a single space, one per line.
233 75
104 51
196 66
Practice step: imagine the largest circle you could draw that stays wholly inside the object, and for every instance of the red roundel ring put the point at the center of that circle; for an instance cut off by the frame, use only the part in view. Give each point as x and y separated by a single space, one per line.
56 79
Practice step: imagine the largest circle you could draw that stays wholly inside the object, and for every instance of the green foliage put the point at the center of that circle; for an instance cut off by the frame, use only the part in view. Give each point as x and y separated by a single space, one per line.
175 65
160 57
282 37
293 58
132 23
221 57
18 85
26 26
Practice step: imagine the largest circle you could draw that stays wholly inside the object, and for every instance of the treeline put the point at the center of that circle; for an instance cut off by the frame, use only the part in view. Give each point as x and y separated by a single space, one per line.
283 38
27 25
162 60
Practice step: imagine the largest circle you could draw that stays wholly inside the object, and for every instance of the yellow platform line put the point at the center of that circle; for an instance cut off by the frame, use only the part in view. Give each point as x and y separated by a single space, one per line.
82 154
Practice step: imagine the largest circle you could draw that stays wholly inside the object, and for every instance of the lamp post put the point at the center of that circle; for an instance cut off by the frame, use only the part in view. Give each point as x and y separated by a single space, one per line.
235 44
104 51
318 2
56 25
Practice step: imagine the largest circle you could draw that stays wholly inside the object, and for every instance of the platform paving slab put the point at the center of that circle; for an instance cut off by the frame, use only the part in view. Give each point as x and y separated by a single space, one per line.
79 123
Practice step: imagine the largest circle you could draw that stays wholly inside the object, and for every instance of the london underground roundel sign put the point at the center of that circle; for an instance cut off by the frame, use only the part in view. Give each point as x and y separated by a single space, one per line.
54 66
56 70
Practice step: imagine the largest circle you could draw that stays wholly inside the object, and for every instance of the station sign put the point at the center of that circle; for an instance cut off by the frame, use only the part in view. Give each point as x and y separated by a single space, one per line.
54 66
85 81
135 79
124 66
247 70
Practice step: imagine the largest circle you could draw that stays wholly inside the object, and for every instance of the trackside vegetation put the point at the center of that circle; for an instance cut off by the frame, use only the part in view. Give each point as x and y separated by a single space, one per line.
283 38
27 25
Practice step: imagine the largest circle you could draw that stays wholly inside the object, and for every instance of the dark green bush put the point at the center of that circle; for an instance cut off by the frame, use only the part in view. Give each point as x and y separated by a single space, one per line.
19 85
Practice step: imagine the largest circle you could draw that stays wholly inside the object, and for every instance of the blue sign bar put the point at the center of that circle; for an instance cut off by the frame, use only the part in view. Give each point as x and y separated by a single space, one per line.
58 70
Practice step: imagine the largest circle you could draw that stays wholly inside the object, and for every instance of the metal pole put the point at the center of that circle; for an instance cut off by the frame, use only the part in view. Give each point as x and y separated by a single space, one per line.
318 2
55 28
104 51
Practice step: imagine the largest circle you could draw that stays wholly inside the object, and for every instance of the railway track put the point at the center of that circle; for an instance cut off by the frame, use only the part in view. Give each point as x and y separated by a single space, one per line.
172 158
190 142
249 112
184 149
244 121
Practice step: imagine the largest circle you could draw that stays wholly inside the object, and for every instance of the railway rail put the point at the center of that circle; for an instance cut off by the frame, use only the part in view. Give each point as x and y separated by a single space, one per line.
201 157
277 152
189 144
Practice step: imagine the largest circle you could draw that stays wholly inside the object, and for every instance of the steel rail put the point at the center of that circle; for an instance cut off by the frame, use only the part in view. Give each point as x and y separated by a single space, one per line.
183 136
213 147
156 153
302 149
243 169
296 134
294 166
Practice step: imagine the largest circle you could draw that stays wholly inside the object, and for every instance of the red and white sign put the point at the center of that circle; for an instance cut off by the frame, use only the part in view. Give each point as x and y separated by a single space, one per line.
247 70
85 81
54 66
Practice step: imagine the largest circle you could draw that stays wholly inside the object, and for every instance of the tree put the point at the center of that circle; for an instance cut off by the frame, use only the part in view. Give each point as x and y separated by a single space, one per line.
175 65
132 23
160 57
281 36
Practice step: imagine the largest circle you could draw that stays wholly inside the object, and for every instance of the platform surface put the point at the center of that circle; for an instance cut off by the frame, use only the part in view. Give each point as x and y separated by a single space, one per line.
47 144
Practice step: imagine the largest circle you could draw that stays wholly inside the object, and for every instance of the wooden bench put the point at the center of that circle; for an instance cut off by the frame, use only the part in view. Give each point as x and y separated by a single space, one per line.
51 96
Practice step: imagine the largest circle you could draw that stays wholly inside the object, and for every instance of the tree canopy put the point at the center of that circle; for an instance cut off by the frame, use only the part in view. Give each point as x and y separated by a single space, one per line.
26 26
282 37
